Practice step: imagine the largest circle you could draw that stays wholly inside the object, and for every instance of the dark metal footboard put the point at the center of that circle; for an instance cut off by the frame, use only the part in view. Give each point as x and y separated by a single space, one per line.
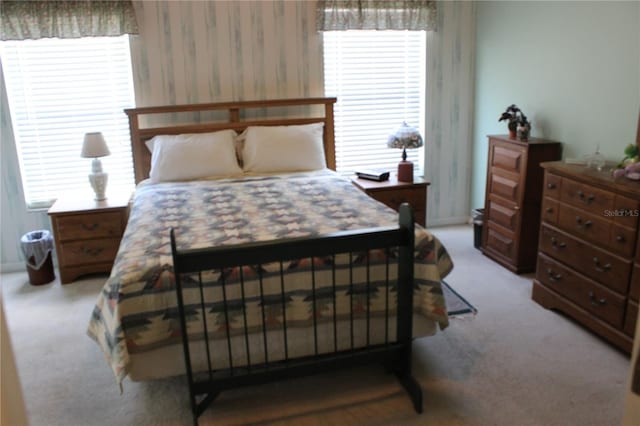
194 296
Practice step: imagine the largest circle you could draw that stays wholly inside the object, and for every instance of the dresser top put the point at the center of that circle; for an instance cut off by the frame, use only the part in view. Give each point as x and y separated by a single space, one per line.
604 178
530 141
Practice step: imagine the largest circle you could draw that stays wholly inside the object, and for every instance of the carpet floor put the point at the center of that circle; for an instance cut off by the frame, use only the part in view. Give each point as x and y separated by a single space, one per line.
514 363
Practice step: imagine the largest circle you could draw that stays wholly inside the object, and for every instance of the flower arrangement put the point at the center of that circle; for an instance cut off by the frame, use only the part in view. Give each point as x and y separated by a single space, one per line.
517 122
629 166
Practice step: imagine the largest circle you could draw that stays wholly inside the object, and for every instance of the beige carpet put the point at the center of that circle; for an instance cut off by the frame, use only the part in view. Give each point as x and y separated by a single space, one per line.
514 363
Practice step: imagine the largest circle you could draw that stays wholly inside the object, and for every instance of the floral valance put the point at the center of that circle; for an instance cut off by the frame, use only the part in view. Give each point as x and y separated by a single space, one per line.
23 20
337 15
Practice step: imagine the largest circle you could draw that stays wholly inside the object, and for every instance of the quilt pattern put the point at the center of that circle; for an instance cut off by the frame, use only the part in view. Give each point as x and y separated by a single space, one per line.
137 310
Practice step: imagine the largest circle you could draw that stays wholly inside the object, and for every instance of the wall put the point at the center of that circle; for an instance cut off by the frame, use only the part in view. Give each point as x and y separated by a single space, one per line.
572 67
449 109
193 51
15 220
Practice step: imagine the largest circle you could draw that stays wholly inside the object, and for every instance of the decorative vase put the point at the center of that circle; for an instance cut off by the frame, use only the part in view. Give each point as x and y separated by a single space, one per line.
522 132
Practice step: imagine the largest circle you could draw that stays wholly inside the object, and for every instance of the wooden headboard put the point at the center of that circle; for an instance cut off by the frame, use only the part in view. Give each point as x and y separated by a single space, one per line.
236 113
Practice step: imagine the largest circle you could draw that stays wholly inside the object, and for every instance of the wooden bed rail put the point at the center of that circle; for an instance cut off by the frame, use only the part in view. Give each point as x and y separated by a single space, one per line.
234 120
393 353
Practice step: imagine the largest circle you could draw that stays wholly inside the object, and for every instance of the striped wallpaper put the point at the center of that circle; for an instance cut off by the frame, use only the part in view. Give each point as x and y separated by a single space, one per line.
197 51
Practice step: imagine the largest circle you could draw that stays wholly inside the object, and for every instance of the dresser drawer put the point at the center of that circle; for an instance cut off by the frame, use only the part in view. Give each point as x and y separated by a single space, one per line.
600 265
88 251
631 318
508 157
505 186
623 240
584 225
604 303
586 197
550 209
626 211
500 242
501 214
552 185
634 288
97 225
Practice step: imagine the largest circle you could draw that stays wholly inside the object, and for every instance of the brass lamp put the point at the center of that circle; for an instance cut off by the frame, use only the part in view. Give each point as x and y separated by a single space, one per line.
94 146
405 137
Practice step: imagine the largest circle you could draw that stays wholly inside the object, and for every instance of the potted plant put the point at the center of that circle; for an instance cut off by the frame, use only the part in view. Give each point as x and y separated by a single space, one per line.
518 124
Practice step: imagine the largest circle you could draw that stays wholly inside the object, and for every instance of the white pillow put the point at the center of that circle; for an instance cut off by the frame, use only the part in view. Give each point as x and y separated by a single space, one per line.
193 156
283 148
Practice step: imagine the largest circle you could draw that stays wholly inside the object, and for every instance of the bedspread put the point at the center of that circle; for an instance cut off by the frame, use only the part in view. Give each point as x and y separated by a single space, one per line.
137 310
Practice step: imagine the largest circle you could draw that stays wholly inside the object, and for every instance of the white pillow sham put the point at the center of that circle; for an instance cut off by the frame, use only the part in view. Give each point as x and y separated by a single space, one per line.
283 148
193 156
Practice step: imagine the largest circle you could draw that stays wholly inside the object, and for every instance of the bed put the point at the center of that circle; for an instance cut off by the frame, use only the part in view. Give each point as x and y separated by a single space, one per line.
273 184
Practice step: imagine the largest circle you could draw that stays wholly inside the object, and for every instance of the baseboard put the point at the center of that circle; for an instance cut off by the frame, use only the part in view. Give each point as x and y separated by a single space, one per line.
13 267
460 220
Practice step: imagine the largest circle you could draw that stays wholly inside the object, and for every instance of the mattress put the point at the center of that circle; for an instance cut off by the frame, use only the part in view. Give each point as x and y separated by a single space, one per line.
136 311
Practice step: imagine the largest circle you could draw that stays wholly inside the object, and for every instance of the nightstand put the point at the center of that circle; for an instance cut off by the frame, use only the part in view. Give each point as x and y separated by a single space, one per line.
87 233
393 193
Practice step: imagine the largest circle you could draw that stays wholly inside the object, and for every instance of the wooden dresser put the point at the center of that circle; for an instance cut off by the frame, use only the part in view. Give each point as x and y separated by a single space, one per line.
512 200
589 250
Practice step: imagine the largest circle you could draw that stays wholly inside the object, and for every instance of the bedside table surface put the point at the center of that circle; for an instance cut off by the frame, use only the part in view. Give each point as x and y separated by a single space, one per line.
84 202
372 185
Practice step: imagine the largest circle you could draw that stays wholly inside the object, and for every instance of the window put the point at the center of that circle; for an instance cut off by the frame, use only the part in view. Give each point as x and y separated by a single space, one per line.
58 90
379 80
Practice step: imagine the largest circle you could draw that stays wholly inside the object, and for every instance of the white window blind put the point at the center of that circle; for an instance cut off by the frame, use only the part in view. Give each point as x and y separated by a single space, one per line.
379 80
58 90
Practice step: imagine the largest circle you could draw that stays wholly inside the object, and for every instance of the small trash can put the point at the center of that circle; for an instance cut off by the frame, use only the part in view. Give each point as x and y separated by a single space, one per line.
37 247
477 216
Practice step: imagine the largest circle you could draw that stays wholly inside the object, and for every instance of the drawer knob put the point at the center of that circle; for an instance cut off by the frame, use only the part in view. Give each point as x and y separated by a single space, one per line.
595 301
552 276
557 244
599 267
551 185
584 225
589 198
620 238
549 210
90 226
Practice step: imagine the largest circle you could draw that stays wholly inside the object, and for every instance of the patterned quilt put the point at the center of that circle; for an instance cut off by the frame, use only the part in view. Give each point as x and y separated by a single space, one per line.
137 310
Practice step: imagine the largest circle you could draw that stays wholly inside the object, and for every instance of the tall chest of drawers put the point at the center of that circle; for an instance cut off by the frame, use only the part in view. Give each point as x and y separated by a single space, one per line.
589 250
513 198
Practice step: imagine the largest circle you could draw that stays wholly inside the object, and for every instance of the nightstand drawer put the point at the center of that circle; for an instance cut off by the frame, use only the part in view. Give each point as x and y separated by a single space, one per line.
88 251
393 199
97 225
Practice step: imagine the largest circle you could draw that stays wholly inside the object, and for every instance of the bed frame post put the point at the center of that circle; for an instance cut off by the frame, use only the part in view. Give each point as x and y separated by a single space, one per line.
405 310
183 330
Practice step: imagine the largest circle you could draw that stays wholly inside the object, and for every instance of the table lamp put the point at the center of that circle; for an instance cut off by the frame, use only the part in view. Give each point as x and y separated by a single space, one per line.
94 146
405 137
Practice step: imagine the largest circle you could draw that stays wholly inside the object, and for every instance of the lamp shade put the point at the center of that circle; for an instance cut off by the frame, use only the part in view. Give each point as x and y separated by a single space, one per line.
405 137
94 146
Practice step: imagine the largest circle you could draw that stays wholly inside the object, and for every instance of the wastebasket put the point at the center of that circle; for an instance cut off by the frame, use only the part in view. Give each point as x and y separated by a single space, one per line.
36 247
478 217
